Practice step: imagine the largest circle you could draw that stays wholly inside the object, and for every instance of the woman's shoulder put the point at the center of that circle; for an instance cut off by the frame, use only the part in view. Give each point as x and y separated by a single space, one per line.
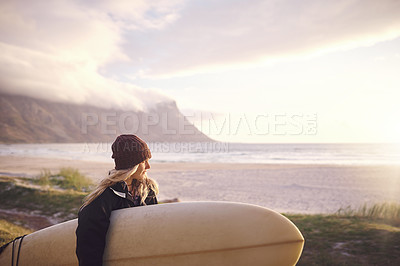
108 200
108 194
119 186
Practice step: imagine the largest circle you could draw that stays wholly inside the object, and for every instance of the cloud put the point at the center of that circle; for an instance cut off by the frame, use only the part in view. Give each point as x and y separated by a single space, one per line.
222 34
139 14
93 51
56 49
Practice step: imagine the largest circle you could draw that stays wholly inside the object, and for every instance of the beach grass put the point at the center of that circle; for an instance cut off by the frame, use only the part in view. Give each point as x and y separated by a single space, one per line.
47 196
18 195
389 211
369 235
66 178
9 231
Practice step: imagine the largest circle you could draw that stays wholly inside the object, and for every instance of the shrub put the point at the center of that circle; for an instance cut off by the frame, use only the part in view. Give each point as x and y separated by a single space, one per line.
72 179
67 178
385 210
44 178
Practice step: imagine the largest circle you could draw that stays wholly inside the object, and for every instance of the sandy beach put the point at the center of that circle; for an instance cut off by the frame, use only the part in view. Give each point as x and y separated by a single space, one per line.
282 187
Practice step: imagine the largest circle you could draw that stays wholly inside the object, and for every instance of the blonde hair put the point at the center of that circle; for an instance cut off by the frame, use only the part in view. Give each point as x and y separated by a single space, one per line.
142 187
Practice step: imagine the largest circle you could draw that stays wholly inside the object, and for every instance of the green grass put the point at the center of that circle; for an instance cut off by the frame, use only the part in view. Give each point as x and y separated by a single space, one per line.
19 194
44 179
16 193
369 235
46 202
9 231
67 178
389 211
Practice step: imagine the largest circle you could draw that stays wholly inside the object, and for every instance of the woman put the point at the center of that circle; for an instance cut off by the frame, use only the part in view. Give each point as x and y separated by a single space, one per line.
126 186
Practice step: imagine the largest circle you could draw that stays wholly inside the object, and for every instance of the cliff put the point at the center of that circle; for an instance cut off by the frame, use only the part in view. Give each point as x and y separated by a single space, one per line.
29 120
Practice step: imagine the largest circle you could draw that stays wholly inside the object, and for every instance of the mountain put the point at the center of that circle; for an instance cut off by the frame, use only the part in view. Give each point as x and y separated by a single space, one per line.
29 120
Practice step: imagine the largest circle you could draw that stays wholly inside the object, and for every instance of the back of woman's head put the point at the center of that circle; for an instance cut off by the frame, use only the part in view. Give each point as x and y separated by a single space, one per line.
128 152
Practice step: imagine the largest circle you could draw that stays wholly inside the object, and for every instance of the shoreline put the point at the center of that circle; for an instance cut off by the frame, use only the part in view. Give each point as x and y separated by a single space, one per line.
31 166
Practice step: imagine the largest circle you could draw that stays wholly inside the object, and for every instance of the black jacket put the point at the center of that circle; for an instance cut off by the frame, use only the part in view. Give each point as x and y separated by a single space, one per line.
94 220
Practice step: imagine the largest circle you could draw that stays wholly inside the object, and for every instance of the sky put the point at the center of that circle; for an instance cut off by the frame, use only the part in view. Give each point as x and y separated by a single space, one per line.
242 71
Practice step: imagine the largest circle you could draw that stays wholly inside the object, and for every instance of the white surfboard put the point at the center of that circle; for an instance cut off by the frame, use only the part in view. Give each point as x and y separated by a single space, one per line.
189 233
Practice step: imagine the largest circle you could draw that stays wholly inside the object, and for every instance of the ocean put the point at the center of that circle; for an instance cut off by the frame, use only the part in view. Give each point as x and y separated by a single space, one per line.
220 152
